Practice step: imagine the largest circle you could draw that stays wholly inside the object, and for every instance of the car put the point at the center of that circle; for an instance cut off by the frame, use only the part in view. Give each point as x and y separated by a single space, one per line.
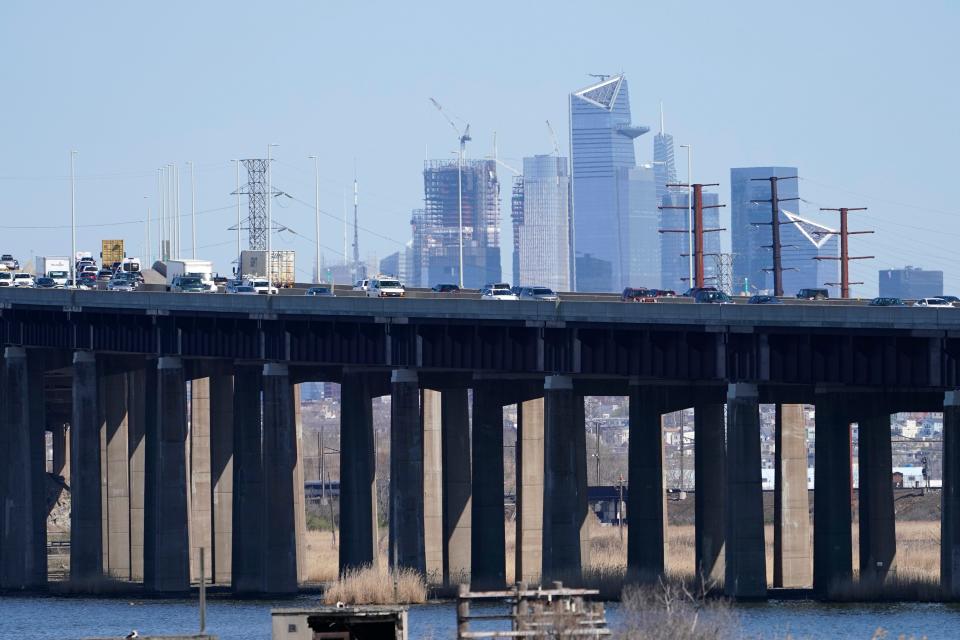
764 299
693 291
887 302
446 288
385 287
261 285
540 294
231 286
950 299
46 283
640 294
663 293
498 294
104 275
361 285
813 294
933 302
244 290
21 279
712 297
120 283
89 268
324 290
6 278
498 285
87 279
188 284
9 262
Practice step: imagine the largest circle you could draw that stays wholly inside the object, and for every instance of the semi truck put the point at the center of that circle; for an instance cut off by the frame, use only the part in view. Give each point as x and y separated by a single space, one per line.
55 267
202 269
282 266
111 252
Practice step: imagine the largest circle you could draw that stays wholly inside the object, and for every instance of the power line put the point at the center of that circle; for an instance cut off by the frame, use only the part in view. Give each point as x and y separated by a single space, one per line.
99 224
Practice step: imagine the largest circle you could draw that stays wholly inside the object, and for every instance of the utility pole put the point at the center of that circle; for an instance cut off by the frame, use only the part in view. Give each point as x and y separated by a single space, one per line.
193 214
316 167
696 230
845 256
73 222
357 275
596 425
775 223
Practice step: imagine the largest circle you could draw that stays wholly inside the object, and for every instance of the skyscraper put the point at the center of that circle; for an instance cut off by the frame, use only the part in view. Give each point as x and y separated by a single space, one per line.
674 263
603 156
543 232
910 283
664 164
436 227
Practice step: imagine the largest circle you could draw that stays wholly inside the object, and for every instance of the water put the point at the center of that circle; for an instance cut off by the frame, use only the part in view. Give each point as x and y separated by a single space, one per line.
67 618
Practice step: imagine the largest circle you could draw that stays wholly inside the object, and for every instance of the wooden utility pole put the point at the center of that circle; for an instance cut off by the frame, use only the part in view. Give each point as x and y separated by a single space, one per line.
775 223
845 256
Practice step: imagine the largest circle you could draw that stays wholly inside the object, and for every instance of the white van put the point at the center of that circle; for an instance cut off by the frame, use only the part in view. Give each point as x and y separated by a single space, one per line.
385 287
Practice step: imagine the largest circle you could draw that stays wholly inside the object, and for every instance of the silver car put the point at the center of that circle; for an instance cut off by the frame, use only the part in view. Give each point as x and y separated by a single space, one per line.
542 294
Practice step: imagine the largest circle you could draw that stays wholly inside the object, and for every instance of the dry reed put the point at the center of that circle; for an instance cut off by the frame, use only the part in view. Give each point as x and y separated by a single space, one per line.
371 585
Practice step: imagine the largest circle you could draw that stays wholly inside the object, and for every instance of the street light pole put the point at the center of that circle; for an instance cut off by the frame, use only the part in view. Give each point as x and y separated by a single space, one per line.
316 167
460 204
73 223
147 240
193 213
689 149
238 273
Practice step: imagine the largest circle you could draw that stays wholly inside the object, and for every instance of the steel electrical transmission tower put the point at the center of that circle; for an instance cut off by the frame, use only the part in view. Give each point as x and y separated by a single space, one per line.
256 190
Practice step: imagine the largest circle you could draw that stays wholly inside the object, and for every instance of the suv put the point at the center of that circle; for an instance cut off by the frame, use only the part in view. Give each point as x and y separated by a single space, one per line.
712 297
641 294
385 287
6 278
537 293
813 294
324 290
188 284
445 288
693 291
361 285
9 262
933 302
21 279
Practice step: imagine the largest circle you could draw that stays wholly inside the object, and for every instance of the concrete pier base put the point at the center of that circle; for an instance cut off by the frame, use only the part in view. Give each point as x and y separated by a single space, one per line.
832 544
530 469
279 474
406 475
645 498
432 412
487 543
167 484
950 499
792 549
710 472
86 532
457 486
745 571
246 576
878 538
358 480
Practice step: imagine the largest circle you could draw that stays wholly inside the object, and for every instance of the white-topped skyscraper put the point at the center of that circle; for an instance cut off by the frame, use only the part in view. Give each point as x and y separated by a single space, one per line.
608 229
543 241
664 163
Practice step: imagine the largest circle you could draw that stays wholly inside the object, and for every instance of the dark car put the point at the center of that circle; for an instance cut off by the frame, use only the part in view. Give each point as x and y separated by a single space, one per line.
950 299
45 283
712 297
813 294
693 291
322 290
760 299
663 293
104 274
887 302
639 294
445 288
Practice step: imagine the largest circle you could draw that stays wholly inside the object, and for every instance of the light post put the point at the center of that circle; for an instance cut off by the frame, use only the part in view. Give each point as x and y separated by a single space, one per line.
269 218
316 167
193 213
689 149
73 223
147 230
238 273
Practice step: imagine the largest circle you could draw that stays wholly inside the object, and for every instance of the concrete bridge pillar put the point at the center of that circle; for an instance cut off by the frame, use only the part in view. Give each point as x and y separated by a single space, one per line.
645 497
457 485
565 480
23 524
832 544
710 471
358 480
167 483
878 538
746 569
279 472
137 391
530 491
792 553
221 476
86 532
950 499
198 465
487 544
431 403
115 473
248 491
406 473
61 451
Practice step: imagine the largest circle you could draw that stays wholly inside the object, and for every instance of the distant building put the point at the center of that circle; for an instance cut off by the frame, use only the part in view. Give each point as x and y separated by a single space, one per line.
516 218
543 231
664 165
604 224
910 283
436 227
674 263
640 244
398 264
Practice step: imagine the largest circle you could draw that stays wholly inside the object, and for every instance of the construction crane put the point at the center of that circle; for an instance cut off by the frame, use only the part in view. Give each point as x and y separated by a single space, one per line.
600 76
497 160
553 138
463 137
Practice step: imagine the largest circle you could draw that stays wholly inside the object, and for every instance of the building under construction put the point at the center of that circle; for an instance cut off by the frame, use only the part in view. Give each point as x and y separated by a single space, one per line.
436 241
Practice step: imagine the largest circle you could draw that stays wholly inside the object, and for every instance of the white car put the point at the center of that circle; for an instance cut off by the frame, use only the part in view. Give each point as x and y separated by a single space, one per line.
498 294
244 290
361 285
6 278
21 279
385 287
261 285
932 302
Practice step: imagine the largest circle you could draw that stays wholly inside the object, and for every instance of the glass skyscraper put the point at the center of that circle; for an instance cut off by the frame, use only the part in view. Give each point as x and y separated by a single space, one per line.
543 234
604 234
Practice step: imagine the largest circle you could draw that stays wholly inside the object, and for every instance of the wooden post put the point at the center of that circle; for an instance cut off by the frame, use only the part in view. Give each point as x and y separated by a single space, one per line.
463 611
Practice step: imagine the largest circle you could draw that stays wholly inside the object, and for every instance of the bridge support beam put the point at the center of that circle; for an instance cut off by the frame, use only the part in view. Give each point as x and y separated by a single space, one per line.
746 570
167 484
431 403
950 499
645 499
246 576
565 481
201 500
710 471
487 544
406 473
832 543
86 533
878 538
61 451
792 553
530 492
358 480
137 391
221 475
457 487
280 463
23 524
115 482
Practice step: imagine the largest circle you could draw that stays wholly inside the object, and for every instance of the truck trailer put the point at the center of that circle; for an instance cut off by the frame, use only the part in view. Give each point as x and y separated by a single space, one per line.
282 266
203 269
55 267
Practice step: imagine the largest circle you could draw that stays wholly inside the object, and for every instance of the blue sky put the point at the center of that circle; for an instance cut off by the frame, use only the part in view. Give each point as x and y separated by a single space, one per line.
861 96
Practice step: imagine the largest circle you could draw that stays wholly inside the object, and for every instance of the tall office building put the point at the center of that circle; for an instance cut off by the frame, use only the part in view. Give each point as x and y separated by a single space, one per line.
910 283
674 247
803 241
641 242
751 238
436 228
664 163
516 217
543 232
601 142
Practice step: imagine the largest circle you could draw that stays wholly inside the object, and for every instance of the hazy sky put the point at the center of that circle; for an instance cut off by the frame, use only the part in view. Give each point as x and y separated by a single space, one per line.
861 96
